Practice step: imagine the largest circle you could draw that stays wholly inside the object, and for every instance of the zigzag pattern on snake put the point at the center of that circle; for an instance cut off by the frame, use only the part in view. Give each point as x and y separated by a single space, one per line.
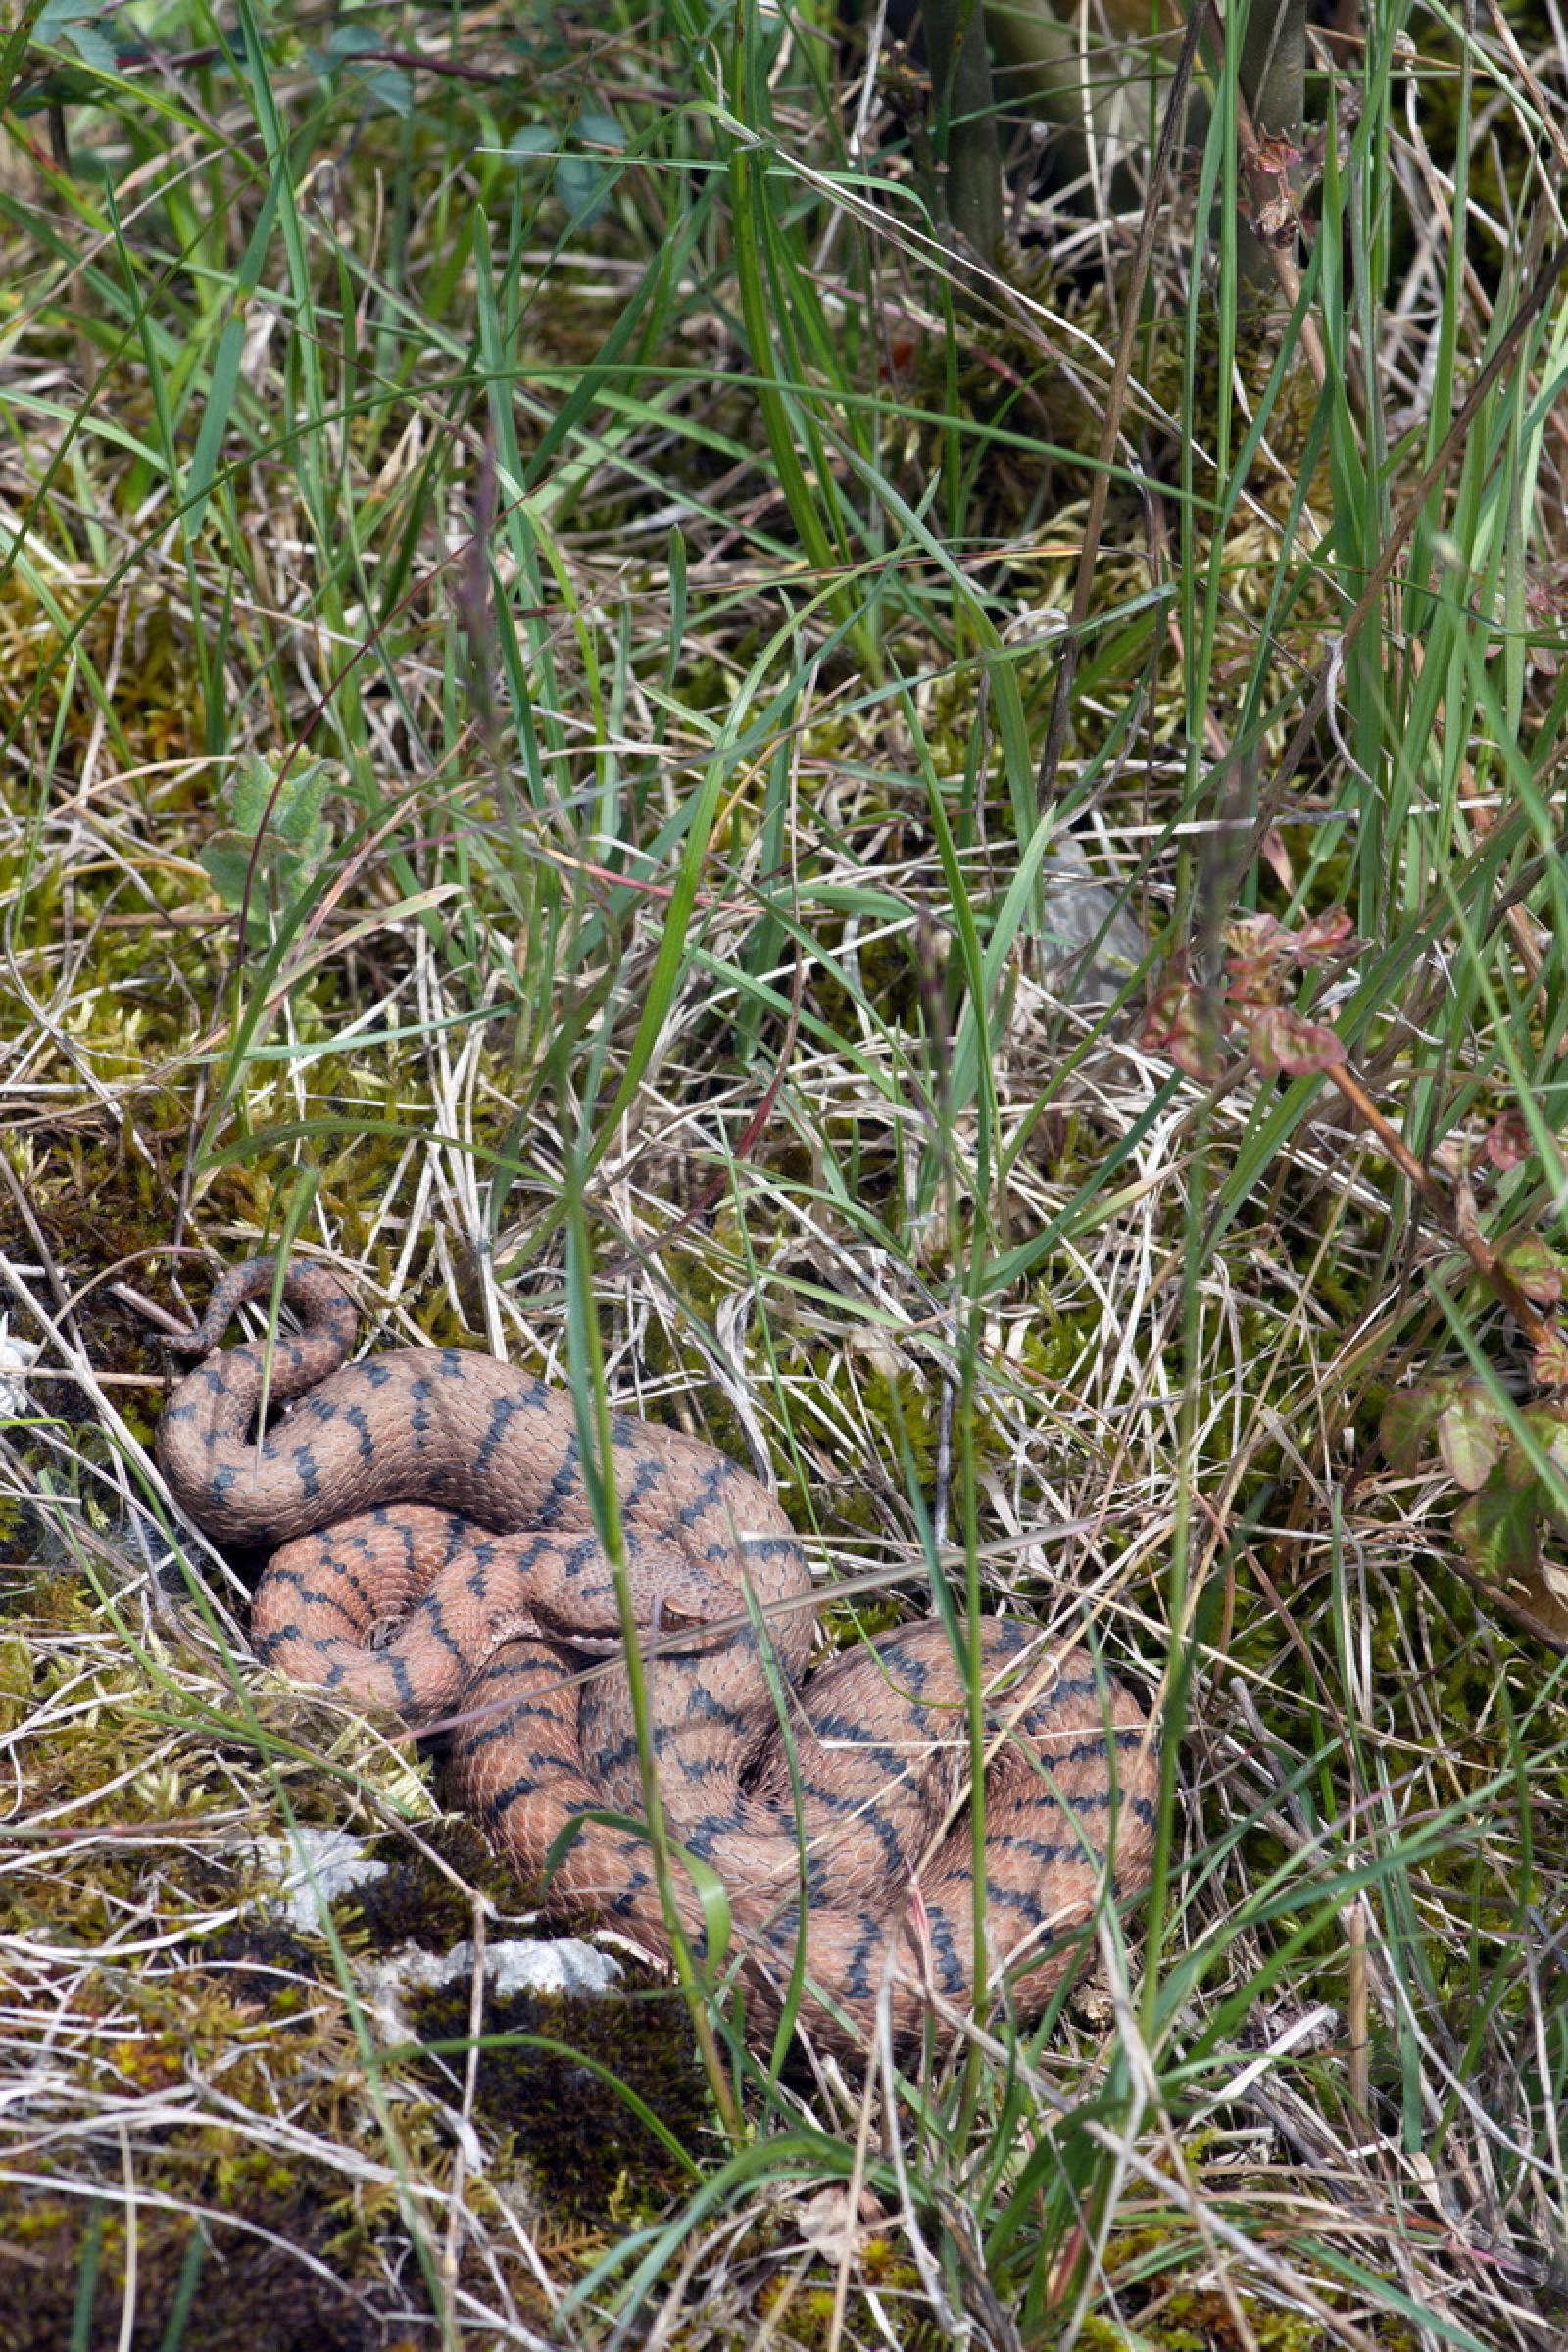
436 1554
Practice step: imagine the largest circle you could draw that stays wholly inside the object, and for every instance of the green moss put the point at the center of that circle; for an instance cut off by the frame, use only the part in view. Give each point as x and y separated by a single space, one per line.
802 2308
412 1901
557 2117
156 694
1158 2313
252 2286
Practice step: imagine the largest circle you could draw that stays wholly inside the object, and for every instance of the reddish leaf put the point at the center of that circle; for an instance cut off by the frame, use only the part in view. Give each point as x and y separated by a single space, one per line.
1535 1267
1508 1142
1179 1023
1550 1361
1277 857
1282 1041
1251 987
1326 936
1257 934
1273 153
1256 964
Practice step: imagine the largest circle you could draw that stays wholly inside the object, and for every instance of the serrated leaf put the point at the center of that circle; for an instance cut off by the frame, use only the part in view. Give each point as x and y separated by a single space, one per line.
248 790
296 836
58 18
298 806
93 46
1255 936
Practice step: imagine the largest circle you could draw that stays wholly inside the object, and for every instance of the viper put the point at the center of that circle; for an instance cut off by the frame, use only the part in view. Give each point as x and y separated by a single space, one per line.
434 1550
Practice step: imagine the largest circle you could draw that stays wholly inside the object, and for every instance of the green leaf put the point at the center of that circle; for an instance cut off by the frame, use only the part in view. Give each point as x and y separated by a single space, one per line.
298 808
1547 1424
93 46
389 85
582 187
599 130
1472 1436
1497 1531
1407 1422
1536 1266
291 812
227 857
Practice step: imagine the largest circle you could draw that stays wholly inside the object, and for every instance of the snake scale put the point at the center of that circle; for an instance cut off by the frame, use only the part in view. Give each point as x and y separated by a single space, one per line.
433 1551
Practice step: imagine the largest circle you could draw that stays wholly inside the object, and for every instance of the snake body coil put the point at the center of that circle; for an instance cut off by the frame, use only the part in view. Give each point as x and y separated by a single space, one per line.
437 1553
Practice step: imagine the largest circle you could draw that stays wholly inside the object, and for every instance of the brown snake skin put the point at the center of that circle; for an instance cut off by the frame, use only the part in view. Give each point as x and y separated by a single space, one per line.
438 1556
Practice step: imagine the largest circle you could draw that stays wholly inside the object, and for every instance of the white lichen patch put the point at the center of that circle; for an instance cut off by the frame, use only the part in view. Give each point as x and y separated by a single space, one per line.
16 1360
312 1869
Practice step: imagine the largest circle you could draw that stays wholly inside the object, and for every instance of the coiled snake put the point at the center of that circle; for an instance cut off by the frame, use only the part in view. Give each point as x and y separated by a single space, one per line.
438 1556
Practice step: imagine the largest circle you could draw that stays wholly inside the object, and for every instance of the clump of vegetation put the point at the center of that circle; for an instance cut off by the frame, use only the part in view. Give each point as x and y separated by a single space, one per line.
276 839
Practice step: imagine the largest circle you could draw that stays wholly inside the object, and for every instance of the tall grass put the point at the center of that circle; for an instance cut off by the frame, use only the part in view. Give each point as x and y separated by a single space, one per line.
578 434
